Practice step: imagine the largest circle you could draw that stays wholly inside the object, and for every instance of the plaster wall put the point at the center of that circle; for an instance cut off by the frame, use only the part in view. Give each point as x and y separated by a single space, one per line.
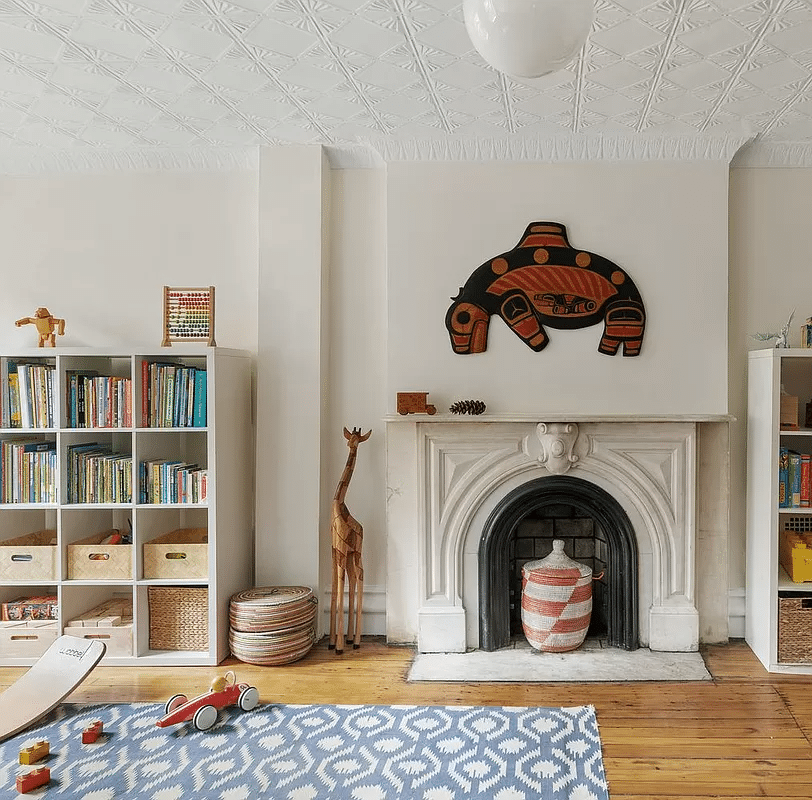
97 249
770 243
445 219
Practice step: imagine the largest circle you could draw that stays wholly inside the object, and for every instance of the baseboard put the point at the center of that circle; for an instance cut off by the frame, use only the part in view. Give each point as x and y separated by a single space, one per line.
736 613
373 611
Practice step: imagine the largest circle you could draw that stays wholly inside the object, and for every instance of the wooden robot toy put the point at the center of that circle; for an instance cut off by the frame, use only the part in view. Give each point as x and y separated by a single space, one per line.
47 326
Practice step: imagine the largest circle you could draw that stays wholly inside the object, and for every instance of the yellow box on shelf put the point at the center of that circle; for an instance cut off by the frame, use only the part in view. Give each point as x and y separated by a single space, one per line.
795 554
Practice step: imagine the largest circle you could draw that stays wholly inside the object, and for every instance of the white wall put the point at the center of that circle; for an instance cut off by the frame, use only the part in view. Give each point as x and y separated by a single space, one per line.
770 247
97 249
665 223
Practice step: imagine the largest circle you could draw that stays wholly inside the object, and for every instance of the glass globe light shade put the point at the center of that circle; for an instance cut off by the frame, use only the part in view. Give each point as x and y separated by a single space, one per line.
528 38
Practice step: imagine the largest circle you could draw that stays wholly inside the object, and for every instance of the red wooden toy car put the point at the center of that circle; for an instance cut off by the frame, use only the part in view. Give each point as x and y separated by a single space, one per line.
202 710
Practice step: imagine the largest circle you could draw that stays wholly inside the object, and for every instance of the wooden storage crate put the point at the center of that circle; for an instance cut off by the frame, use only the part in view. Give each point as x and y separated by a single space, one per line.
88 559
28 639
182 553
788 412
111 622
31 557
178 618
795 629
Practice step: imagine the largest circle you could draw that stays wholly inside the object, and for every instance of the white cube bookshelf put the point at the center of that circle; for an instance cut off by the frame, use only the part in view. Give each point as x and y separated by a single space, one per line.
223 447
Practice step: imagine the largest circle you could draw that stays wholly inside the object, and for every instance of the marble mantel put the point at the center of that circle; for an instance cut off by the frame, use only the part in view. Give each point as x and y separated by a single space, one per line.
446 473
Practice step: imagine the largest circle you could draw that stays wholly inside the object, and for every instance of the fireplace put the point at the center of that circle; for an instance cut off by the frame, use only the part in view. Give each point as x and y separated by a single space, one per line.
459 489
597 530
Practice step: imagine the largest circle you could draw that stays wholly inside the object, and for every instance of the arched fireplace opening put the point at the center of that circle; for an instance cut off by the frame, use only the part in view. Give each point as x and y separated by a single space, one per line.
547 500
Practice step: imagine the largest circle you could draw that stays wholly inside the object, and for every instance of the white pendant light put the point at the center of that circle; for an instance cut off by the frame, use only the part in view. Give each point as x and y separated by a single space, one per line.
528 38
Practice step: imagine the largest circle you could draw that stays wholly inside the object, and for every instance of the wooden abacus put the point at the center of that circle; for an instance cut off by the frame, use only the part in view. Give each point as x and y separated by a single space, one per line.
188 315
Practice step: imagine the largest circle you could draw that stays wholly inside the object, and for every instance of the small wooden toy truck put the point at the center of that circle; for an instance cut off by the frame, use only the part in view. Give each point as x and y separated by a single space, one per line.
414 403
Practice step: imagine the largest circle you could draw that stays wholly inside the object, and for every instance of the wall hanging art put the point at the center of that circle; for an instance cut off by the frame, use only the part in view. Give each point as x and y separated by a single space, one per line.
545 281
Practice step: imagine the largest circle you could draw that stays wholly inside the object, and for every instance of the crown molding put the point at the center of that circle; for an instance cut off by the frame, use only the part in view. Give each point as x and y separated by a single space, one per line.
738 151
24 160
556 149
774 154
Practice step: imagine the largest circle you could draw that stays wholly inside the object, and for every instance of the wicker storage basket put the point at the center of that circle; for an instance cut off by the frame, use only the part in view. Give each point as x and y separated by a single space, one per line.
183 553
88 559
795 630
178 618
556 601
29 558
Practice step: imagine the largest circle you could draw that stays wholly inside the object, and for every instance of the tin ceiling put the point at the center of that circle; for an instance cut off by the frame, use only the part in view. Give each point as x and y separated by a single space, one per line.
189 74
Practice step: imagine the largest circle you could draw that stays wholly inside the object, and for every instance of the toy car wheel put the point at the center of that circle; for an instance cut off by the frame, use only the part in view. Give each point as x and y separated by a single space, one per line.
176 701
249 698
204 717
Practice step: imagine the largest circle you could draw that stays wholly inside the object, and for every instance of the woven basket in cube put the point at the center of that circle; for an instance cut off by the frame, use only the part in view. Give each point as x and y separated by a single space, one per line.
178 618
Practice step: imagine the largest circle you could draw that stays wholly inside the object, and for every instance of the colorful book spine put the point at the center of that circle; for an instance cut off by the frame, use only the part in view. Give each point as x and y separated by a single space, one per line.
783 477
199 415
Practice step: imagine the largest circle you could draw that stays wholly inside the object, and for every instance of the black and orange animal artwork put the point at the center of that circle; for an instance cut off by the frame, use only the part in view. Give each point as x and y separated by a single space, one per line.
545 281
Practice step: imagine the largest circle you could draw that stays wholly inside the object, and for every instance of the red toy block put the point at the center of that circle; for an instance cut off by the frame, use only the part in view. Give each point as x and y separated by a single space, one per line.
32 780
36 752
92 732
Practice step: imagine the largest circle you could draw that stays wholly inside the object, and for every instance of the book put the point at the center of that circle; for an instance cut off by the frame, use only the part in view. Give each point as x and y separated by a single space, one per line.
199 415
783 477
806 476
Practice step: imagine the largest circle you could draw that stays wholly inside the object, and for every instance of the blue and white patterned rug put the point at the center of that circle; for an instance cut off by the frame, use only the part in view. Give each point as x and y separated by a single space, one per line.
293 752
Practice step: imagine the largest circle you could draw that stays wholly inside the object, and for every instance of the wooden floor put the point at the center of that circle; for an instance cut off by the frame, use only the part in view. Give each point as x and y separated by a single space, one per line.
745 734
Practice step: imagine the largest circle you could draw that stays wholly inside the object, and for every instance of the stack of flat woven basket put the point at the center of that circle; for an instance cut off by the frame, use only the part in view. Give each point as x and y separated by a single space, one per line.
272 625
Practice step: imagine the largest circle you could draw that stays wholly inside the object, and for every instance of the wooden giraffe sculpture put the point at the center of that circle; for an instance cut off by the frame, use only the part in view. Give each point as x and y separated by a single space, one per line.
347 535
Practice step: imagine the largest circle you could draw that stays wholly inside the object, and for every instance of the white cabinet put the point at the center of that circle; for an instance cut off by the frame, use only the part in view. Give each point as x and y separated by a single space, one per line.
202 460
771 373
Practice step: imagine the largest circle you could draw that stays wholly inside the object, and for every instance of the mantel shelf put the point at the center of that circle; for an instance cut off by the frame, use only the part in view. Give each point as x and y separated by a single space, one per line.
558 417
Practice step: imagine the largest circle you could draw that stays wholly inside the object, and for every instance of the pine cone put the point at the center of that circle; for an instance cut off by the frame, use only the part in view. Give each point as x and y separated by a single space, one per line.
467 407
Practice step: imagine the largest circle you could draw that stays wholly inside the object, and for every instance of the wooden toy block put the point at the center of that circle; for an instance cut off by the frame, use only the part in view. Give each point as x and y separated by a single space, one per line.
33 779
92 732
36 752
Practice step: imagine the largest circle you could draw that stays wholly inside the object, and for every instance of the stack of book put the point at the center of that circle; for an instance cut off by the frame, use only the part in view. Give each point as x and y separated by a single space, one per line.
794 479
173 396
28 399
98 475
98 401
164 481
28 471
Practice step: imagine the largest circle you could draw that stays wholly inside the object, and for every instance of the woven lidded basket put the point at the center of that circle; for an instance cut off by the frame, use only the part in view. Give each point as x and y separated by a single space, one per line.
178 618
556 601
795 630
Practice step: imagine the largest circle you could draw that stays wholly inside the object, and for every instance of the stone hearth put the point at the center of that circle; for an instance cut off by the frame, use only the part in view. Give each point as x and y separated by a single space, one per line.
446 476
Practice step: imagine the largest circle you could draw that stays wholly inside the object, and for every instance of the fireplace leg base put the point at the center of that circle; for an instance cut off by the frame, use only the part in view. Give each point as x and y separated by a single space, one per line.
674 629
441 630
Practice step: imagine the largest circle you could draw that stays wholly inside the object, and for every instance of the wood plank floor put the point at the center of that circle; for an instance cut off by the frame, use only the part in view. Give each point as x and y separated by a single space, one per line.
745 734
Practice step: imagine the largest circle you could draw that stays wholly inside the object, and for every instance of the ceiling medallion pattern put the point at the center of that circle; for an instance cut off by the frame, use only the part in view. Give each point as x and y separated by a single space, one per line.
122 75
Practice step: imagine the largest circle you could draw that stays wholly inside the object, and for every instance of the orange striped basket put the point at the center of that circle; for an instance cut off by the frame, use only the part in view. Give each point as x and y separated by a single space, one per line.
556 601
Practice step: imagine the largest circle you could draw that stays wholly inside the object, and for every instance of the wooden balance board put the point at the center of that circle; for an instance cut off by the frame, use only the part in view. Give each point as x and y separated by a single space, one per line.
60 669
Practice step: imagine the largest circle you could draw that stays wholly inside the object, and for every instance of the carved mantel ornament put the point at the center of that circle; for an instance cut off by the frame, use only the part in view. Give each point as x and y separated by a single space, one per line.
557 443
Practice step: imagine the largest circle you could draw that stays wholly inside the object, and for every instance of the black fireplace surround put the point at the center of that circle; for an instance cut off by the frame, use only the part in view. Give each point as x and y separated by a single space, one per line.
500 528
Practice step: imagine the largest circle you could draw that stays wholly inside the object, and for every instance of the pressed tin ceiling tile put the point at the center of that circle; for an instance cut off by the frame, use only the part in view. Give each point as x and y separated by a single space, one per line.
126 73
